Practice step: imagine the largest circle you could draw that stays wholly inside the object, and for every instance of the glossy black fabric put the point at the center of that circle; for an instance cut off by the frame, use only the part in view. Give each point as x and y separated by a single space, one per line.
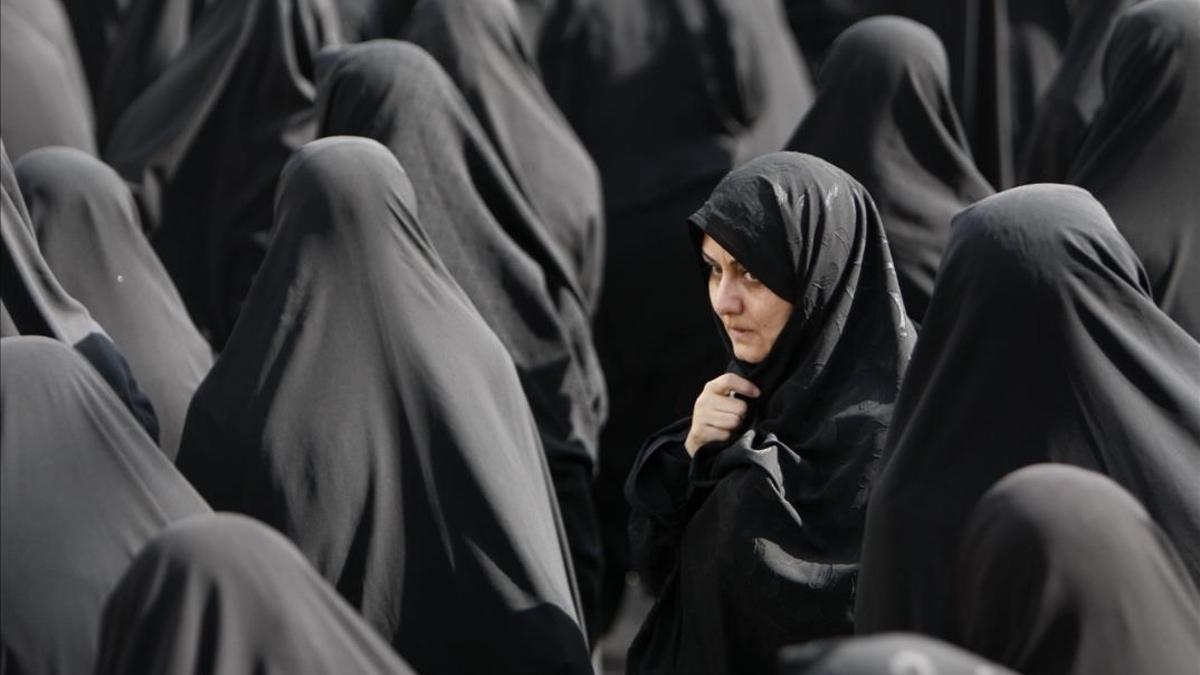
1041 344
226 594
81 490
1068 106
203 145
756 542
150 34
1063 571
364 408
884 115
888 654
1140 156
44 97
35 303
482 49
89 233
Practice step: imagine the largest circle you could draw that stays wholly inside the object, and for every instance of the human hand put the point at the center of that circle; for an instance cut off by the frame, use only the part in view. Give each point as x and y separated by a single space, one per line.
717 413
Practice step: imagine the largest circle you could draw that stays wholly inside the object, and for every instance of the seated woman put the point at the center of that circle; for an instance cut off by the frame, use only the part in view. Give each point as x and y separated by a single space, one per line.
226 594
1062 571
884 115
363 408
1042 344
82 488
748 515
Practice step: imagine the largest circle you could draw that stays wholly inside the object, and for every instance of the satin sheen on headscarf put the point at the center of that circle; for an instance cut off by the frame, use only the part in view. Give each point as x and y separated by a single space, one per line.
82 488
226 594
1041 344
1140 156
364 408
202 146
1062 572
89 233
755 542
481 48
884 115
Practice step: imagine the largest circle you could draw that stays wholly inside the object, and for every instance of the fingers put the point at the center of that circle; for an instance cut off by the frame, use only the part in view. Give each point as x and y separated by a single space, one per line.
731 382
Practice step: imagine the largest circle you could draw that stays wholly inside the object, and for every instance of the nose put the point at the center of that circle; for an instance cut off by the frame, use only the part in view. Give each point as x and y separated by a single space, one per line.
727 298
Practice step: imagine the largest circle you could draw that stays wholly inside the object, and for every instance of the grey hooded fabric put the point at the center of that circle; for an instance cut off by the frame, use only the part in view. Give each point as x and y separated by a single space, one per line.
1062 572
82 488
1041 344
1141 154
226 594
884 115
89 233
364 408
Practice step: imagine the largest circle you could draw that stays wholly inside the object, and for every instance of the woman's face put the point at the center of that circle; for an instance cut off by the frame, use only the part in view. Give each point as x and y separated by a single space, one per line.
752 314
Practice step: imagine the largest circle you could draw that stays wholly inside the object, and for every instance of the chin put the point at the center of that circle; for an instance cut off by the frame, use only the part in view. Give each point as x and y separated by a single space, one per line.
748 355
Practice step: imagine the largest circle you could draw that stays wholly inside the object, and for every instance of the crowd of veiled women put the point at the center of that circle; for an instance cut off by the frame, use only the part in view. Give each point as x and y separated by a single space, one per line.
367 336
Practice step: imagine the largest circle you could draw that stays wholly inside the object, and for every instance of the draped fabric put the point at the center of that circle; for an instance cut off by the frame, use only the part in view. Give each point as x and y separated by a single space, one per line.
150 34
202 146
481 48
496 246
884 114
33 302
95 25
364 408
886 654
89 233
1141 152
1041 344
755 542
1068 106
82 488
1063 571
44 96
1003 55
226 594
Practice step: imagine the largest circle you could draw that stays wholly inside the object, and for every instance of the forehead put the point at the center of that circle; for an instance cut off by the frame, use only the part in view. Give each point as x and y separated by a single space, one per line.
715 251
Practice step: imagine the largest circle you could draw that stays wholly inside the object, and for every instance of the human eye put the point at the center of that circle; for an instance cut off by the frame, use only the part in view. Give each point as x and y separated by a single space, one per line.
714 270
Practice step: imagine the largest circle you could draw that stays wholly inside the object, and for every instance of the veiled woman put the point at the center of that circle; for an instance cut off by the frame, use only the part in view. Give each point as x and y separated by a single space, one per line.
364 408
1042 344
33 302
82 488
226 594
494 244
1140 155
748 515
90 235
883 114
482 49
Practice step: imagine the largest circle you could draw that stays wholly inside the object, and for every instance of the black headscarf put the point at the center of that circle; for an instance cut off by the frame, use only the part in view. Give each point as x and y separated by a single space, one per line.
203 145
81 490
1041 344
225 594
89 232
44 97
1068 105
760 542
884 114
1140 156
480 46
888 654
364 408
32 302
1061 571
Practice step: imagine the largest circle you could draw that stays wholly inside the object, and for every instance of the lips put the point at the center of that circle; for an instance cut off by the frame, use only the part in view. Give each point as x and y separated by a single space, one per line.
739 333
